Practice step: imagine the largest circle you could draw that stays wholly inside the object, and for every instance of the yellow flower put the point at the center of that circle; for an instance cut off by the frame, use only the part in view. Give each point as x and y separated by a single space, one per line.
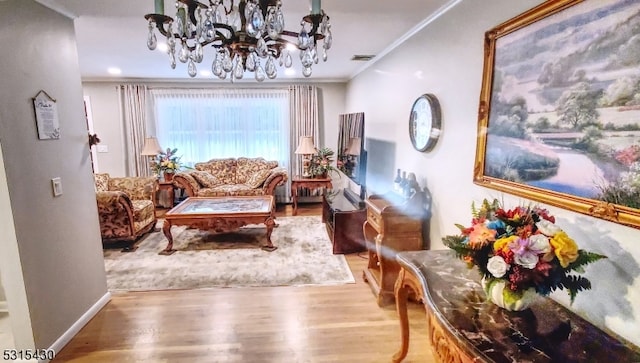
565 248
503 243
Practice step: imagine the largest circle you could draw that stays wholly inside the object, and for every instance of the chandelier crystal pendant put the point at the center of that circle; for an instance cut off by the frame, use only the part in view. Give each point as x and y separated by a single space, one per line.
246 35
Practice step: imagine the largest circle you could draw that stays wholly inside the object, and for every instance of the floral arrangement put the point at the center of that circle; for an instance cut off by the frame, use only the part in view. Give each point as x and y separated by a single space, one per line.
166 162
522 247
321 162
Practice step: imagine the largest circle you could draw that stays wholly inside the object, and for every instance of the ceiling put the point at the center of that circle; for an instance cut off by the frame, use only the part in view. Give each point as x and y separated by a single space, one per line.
113 33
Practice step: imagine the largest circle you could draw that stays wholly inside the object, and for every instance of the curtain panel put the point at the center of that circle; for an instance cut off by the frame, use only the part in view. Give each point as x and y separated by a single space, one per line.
304 117
133 110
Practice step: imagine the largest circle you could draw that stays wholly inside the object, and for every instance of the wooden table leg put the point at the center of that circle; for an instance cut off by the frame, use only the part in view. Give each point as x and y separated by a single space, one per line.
401 295
270 223
294 196
166 229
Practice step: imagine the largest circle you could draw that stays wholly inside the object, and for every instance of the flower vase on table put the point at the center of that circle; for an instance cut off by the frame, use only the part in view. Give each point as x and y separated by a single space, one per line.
521 254
499 293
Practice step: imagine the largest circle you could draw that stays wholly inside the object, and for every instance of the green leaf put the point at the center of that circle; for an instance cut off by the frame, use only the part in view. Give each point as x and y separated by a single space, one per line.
584 258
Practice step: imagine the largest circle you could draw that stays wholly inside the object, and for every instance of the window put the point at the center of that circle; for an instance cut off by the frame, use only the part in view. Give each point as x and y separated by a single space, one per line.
205 124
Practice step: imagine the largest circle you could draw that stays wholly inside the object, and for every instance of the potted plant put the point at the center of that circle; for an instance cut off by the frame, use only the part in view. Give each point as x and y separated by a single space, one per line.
166 163
321 163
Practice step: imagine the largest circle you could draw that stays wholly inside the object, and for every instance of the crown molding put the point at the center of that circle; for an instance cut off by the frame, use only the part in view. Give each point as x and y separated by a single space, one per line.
432 17
55 6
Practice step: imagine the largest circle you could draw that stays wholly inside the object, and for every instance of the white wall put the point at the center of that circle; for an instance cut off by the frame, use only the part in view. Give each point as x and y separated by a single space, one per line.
108 126
55 241
446 59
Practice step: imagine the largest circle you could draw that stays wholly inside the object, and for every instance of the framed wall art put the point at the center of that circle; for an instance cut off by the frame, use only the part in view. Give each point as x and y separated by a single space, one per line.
47 121
559 114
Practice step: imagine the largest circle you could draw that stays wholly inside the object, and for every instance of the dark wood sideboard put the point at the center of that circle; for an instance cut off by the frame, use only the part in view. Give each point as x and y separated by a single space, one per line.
464 327
343 213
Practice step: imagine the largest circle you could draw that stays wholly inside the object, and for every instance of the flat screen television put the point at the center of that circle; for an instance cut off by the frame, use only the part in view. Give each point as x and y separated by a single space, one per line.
381 156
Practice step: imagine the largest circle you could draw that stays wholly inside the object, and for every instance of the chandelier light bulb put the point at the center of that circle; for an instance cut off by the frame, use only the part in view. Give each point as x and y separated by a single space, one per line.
243 33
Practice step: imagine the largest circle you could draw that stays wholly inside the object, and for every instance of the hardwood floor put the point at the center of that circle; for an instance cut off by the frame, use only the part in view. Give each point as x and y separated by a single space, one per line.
340 323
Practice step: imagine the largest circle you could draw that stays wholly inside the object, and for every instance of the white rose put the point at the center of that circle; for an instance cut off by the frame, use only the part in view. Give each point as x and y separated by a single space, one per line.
527 260
497 266
547 228
540 243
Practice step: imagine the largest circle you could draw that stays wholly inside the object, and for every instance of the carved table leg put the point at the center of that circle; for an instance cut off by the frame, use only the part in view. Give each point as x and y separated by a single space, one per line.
166 229
270 223
401 295
294 192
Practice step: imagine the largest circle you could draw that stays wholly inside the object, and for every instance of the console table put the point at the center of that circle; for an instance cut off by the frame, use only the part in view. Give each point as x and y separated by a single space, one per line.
463 327
343 214
298 182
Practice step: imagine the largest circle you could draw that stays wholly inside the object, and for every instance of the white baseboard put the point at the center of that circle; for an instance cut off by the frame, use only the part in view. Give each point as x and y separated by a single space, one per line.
75 328
4 308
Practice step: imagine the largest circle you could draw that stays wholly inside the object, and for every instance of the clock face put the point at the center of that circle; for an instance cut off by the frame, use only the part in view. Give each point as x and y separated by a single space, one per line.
424 122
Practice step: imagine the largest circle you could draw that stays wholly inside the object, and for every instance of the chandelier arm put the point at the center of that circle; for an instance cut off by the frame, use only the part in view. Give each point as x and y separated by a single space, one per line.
160 21
192 6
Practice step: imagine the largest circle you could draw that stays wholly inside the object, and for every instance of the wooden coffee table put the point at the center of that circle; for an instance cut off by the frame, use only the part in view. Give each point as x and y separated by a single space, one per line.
221 214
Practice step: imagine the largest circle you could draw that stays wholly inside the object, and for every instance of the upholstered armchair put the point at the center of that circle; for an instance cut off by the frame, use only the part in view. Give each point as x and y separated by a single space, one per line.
126 207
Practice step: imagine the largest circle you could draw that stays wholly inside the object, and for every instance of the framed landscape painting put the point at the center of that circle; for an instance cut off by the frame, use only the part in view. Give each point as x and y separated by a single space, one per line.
559 115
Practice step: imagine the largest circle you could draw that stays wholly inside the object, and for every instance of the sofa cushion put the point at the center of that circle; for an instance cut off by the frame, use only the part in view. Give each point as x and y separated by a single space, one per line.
223 169
257 178
249 166
143 210
205 178
101 182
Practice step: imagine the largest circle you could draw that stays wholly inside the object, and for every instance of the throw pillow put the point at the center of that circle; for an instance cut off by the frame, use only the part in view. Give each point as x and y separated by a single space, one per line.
101 182
205 178
258 178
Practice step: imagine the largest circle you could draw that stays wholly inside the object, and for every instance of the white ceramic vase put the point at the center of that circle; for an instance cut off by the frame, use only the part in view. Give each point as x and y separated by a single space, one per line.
498 293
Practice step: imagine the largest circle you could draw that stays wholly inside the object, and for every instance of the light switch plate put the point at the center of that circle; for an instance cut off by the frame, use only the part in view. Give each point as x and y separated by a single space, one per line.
56 184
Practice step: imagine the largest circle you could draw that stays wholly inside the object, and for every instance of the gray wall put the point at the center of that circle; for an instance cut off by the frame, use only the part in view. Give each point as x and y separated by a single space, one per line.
446 58
58 238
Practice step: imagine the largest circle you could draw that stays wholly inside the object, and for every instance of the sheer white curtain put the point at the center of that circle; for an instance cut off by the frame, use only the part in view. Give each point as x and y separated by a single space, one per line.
204 124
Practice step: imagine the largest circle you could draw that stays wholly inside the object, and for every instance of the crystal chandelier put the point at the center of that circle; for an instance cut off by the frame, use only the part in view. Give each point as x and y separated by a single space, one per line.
245 34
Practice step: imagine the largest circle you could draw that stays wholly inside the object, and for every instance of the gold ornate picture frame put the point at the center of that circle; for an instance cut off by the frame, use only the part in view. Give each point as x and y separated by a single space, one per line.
559 113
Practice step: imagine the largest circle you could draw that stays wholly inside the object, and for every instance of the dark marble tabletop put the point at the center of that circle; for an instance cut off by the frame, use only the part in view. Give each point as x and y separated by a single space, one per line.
547 332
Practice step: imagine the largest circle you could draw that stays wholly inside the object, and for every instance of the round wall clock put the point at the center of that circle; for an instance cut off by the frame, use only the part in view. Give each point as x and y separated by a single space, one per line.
424 122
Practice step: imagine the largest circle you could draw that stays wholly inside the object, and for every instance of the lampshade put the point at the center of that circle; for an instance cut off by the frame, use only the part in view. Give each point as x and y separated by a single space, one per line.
306 147
355 144
151 147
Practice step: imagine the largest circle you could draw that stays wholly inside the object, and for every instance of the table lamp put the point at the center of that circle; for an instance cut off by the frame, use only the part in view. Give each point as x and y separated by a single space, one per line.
353 150
151 147
305 148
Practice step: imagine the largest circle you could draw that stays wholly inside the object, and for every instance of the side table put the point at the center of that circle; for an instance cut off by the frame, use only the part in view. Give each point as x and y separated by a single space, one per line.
299 182
169 188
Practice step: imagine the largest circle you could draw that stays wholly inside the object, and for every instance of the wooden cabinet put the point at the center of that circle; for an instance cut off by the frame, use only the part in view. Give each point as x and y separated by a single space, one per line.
393 225
343 214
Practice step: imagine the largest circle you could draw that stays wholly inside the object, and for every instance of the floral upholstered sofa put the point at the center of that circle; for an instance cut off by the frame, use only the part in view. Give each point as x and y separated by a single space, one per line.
231 177
126 206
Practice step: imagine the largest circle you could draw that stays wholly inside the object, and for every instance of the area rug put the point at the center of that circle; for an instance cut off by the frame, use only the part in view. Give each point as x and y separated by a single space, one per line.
205 260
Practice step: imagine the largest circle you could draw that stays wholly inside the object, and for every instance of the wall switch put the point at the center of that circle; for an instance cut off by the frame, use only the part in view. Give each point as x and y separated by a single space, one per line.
103 148
56 184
